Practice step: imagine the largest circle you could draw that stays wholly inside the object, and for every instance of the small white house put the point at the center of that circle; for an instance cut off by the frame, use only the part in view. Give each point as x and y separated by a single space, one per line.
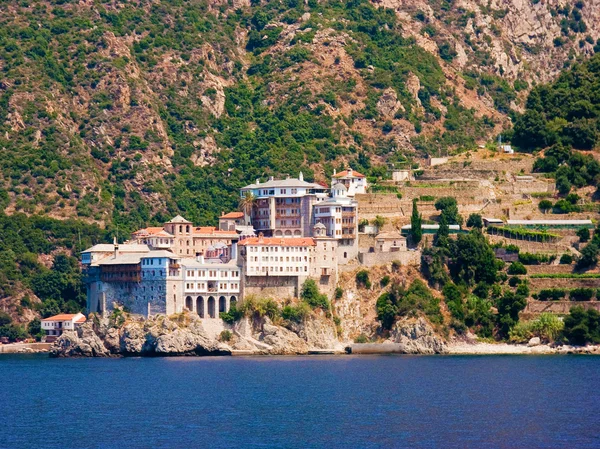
355 182
57 324
507 149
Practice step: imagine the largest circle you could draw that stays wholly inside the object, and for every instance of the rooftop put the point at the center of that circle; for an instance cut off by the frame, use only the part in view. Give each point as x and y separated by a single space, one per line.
160 254
349 174
155 231
290 182
233 215
394 235
122 259
178 219
278 241
212 231
66 317
123 248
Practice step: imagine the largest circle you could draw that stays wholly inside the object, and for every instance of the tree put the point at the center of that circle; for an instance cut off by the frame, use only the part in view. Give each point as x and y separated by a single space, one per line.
582 326
473 260
563 185
545 205
310 293
583 234
247 204
517 268
447 206
589 256
416 232
475 221
509 305
441 239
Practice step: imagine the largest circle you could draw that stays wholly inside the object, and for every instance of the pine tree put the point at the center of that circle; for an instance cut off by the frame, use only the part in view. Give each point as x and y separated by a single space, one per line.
416 232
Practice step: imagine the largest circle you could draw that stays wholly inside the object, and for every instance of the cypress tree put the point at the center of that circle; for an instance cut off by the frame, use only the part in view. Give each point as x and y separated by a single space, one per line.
416 233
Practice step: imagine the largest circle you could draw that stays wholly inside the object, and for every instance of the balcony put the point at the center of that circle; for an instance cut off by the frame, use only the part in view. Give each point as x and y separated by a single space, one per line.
175 266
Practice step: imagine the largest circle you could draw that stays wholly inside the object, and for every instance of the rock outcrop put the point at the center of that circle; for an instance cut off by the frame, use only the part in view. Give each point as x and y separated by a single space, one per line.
417 337
187 334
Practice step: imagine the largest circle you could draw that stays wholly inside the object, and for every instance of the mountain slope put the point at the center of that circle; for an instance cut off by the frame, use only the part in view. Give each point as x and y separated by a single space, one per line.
124 113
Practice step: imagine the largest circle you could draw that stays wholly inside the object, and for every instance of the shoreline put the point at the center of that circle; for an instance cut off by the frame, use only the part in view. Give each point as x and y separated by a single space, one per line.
354 349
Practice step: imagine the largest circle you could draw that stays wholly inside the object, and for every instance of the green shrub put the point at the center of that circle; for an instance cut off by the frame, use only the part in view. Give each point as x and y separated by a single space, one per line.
581 294
225 335
583 234
384 281
517 268
362 279
233 315
582 326
533 259
260 307
566 259
514 281
310 293
552 294
362 338
297 313
547 327
399 302
339 292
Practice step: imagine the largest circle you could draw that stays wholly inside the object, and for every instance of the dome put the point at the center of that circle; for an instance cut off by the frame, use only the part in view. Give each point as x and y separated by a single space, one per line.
340 186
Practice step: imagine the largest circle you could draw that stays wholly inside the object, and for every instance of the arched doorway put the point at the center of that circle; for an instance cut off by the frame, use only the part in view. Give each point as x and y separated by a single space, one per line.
188 303
222 304
200 306
232 302
211 307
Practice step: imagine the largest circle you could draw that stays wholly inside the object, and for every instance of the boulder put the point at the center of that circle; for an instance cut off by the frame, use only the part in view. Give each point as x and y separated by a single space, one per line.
535 341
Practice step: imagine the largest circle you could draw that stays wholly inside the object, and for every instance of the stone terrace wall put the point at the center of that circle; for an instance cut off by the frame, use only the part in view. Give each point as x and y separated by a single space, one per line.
404 257
562 307
537 284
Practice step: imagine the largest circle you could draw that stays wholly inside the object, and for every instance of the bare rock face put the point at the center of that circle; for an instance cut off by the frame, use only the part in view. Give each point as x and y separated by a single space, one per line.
318 333
417 337
282 341
80 343
388 103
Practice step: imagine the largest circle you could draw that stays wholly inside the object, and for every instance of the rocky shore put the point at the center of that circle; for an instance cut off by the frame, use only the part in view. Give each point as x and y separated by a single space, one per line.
188 335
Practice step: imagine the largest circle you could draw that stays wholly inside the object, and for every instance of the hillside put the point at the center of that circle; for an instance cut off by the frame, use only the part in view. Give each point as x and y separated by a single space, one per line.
124 113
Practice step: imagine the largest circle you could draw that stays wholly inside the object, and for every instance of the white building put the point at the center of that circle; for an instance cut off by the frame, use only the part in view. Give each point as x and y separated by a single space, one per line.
160 282
278 267
339 216
57 324
275 256
283 208
354 181
210 288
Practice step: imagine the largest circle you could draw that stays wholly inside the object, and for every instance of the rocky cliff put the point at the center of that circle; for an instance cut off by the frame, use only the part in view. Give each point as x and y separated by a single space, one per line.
187 334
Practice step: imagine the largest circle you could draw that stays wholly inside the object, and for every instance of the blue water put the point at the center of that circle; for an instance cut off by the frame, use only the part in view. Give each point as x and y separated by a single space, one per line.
300 402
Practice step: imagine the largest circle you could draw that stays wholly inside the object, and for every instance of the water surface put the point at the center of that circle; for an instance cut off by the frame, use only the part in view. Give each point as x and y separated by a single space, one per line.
301 402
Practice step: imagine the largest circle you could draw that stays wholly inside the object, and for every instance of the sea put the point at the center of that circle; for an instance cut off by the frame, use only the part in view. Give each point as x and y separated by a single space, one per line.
301 402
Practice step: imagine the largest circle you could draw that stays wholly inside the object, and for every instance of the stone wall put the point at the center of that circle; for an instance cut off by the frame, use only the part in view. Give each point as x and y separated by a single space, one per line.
537 284
562 307
280 287
404 257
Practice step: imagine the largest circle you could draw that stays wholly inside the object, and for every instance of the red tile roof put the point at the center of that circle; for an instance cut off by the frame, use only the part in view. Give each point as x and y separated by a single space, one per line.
346 173
65 317
154 230
233 215
210 230
279 241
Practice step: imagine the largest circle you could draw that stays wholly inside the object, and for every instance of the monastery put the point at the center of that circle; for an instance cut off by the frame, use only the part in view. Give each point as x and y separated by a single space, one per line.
291 230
